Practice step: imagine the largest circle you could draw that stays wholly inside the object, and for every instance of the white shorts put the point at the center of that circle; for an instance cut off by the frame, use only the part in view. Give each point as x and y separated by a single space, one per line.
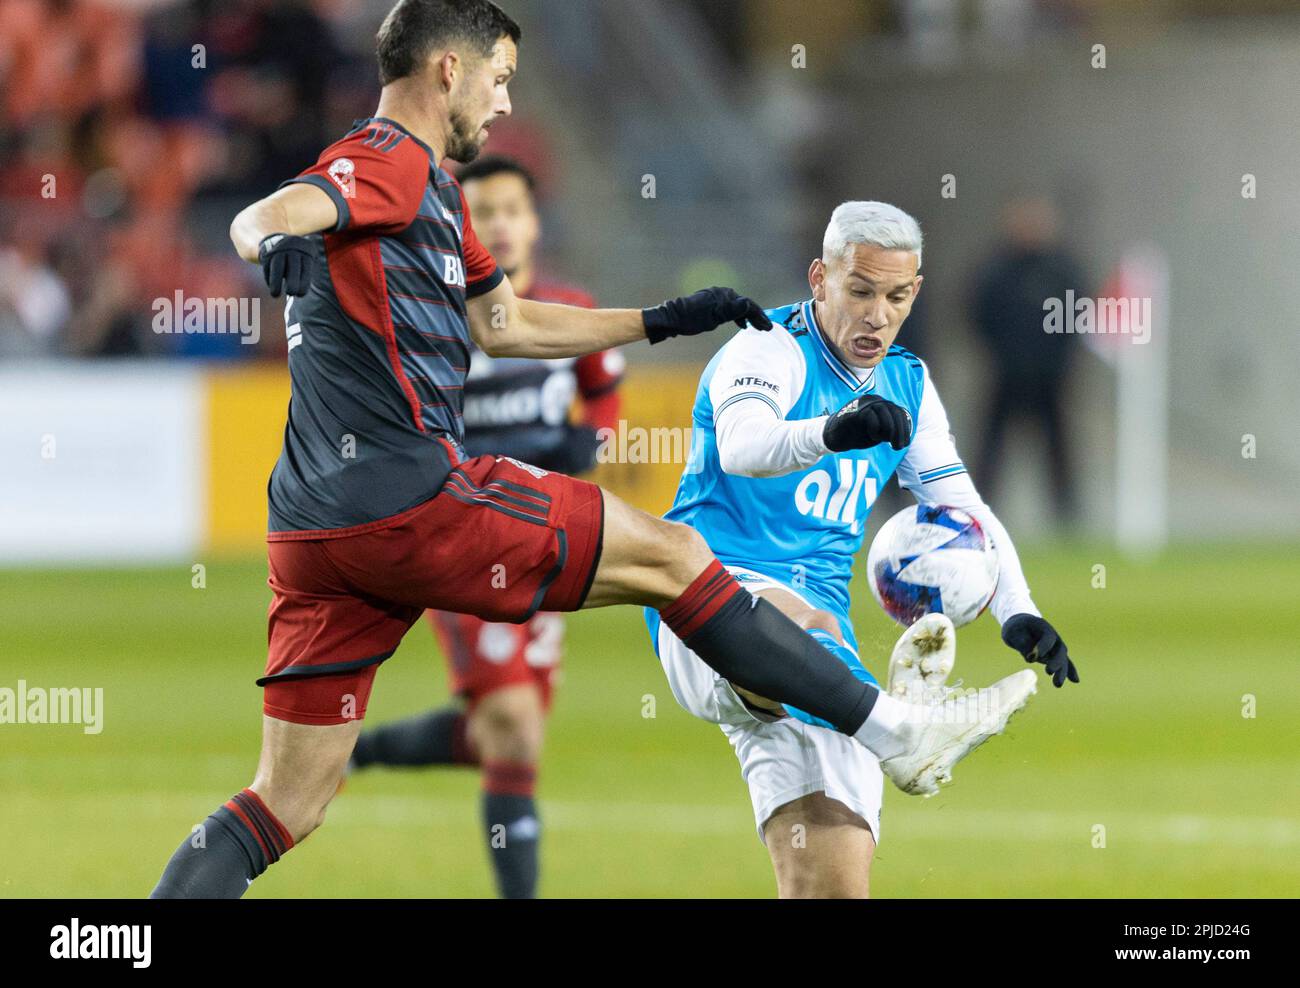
780 760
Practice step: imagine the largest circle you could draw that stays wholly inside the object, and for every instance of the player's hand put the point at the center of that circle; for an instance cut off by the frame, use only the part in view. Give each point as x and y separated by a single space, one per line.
865 422
286 263
700 313
1038 641
578 453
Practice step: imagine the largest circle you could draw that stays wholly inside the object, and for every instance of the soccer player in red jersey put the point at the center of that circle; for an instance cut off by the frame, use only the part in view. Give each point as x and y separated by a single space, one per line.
376 511
504 674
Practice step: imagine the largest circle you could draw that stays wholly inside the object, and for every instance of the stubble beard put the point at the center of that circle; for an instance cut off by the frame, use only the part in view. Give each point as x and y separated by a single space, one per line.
462 145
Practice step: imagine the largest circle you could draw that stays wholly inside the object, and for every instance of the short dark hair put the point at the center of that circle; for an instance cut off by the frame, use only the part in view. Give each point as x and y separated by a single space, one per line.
496 164
414 28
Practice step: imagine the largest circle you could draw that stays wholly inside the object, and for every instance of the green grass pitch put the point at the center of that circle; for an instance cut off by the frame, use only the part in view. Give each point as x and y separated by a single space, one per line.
1195 799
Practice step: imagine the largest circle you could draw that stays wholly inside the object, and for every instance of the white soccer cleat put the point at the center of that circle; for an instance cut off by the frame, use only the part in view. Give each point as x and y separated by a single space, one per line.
945 733
923 660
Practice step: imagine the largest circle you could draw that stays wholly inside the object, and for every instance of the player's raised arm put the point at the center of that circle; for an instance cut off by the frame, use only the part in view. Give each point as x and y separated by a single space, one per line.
504 325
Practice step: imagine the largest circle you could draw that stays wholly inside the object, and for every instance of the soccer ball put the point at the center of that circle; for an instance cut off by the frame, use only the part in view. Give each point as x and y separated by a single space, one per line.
932 559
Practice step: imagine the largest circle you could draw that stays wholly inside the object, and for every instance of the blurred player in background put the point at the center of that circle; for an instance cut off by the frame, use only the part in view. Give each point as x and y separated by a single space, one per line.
800 429
504 674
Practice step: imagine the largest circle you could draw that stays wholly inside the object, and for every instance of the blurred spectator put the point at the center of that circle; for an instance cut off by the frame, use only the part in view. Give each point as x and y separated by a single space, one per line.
1030 366
64 56
131 133
34 303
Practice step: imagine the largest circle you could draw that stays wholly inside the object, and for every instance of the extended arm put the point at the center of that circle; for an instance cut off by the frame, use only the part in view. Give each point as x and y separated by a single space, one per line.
504 325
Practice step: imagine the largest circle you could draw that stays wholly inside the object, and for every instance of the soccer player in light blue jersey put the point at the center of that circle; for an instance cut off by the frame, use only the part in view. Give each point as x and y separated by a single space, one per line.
795 432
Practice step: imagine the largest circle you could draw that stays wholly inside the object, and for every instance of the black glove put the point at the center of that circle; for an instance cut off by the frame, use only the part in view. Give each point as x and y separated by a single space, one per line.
865 422
701 312
1038 641
286 263
578 452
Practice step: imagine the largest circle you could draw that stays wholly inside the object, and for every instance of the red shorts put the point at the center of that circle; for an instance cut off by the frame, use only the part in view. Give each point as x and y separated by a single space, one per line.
501 541
483 656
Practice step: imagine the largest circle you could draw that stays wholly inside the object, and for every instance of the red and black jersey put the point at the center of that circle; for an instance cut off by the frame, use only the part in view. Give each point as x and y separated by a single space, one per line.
519 406
379 347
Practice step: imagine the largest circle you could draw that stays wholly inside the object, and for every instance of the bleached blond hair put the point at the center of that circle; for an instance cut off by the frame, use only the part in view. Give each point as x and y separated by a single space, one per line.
875 223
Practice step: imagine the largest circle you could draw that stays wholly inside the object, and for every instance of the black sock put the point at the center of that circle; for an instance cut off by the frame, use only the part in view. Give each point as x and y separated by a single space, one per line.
513 829
753 645
236 844
435 738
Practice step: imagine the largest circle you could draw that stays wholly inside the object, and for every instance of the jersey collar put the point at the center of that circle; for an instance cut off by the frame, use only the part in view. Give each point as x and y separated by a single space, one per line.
849 375
396 126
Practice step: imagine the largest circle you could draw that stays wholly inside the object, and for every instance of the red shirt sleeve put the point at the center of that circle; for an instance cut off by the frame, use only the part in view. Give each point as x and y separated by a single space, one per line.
481 271
376 176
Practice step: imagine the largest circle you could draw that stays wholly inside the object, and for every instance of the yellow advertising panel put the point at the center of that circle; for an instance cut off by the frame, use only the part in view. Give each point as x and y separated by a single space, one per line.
246 411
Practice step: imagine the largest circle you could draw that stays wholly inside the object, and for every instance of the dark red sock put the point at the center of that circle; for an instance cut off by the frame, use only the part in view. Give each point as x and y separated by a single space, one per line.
504 778
270 833
700 601
240 840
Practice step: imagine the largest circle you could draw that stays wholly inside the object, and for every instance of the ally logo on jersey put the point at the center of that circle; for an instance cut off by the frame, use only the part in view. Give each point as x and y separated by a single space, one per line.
820 496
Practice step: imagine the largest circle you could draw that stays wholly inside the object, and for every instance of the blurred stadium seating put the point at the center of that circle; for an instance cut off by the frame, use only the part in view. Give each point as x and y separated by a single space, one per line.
131 132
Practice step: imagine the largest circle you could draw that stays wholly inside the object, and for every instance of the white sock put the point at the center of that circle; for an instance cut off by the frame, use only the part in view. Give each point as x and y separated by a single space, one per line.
881 732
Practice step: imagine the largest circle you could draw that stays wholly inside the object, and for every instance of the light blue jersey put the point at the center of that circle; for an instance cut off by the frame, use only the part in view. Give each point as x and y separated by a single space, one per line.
804 528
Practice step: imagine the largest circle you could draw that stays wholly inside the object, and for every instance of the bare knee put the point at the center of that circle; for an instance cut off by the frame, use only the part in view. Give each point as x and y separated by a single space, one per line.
809 879
299 809
507 724
680 551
